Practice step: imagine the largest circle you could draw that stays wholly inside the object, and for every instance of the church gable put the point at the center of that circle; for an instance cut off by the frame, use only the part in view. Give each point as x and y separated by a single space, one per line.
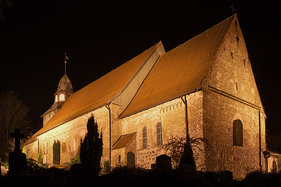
127 94
180 71
230 95
231 71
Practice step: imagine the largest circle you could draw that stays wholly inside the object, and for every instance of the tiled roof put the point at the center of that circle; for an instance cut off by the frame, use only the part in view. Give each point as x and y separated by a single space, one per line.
179 71
123 141
97 93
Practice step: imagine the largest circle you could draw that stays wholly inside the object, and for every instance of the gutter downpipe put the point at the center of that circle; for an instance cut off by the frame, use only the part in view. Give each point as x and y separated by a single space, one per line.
260 140
109 123
184 100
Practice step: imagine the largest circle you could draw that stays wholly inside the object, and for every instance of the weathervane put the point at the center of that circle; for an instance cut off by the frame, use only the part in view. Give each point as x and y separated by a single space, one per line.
65 61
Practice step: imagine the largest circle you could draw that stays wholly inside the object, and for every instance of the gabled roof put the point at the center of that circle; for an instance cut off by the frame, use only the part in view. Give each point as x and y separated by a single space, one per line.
99 92
179 71
123 141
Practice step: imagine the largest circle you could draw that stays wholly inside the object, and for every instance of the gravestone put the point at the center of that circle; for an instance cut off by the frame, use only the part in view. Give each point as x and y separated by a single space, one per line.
163 163
17 159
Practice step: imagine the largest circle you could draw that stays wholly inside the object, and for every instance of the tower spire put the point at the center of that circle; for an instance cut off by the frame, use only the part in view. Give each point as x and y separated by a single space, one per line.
65 61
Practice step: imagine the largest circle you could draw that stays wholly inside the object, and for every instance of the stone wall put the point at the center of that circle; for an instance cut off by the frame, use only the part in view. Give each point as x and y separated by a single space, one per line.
70 135
230 93
31 150
172 116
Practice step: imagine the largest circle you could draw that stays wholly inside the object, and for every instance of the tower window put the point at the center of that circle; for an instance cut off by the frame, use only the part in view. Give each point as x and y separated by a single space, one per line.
56 98
144 138
62 97
237 133
159 133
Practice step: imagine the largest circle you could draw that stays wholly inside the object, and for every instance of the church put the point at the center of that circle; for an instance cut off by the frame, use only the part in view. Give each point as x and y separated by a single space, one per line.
204 87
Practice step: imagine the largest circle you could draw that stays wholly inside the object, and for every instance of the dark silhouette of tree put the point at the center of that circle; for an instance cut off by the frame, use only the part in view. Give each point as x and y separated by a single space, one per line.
13 114
91 147
56 152
187 159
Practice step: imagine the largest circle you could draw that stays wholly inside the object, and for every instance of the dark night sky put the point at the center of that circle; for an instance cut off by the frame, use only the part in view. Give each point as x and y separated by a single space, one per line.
101 36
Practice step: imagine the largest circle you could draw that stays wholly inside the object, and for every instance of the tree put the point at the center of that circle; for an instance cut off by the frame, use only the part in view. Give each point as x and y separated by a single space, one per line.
56 152
175 148
13 114
91 147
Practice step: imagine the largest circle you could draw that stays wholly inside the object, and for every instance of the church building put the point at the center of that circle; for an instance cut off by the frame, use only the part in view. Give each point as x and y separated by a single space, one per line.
206 84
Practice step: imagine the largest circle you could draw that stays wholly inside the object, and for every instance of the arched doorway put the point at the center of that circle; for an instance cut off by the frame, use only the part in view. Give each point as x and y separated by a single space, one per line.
131 160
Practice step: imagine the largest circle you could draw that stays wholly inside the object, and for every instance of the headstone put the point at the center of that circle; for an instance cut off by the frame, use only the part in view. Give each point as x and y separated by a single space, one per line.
17 159
163 163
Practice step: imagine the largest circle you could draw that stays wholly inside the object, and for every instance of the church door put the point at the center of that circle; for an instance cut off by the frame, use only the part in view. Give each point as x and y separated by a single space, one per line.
131 160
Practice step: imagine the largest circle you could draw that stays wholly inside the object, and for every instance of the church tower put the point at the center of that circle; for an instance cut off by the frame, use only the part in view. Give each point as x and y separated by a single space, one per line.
63 92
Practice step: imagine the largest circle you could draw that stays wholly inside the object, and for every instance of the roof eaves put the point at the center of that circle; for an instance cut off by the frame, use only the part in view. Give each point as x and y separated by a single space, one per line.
67 120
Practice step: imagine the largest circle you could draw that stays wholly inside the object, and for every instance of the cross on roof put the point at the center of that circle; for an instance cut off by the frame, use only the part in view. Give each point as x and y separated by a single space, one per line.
17 135
232 8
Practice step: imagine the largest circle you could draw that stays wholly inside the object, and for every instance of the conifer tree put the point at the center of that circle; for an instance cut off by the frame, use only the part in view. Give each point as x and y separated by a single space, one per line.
56 152
187 159
91 147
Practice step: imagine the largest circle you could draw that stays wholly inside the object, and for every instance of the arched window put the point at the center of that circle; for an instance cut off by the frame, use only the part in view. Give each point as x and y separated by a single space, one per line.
159 133
144 138
56 98
237 132
62 98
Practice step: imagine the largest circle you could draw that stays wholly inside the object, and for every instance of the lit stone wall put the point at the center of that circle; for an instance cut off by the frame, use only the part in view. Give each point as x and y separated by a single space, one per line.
31 150
172 116
70 135
232 74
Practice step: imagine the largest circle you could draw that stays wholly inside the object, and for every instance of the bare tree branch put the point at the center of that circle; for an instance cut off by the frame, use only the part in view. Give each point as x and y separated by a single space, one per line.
175 148
13 114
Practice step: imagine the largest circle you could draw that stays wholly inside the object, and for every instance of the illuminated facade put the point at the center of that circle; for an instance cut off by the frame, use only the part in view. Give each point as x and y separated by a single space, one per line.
144 102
